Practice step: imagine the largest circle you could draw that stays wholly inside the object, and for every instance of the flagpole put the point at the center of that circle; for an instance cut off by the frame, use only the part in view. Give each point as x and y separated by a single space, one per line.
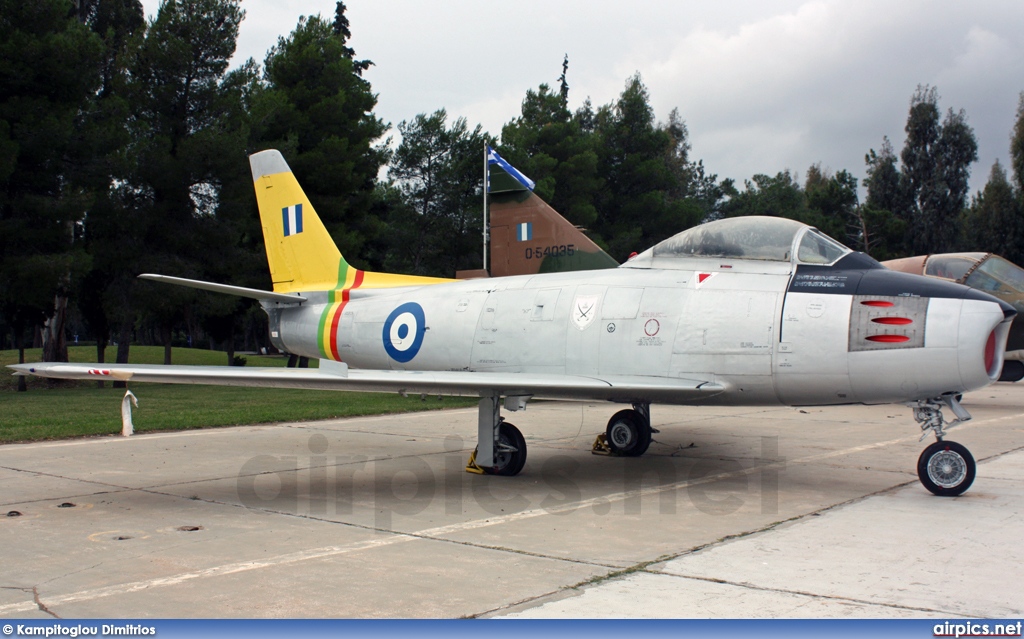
486 227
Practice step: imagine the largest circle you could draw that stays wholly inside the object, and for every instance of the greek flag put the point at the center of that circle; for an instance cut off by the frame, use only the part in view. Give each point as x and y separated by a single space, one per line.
524 231
494 159
292 219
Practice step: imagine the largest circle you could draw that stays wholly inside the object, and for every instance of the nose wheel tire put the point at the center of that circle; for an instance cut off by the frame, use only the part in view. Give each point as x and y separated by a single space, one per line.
628 433
510 452
946 468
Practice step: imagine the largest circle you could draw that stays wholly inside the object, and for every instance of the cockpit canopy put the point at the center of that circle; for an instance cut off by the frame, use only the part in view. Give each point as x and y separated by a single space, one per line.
764 238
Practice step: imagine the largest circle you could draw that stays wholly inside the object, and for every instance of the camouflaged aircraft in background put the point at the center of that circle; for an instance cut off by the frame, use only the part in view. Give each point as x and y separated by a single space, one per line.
742 311
527 236
986 272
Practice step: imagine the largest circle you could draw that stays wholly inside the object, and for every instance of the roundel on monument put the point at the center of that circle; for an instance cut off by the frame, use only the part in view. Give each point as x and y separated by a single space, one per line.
403 332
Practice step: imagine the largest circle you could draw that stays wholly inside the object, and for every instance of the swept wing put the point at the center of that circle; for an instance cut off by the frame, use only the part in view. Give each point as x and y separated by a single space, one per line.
336 376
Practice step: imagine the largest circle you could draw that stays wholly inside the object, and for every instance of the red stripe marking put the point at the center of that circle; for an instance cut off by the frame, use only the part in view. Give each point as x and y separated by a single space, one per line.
888 339
334 333
896 321
345 294
877 303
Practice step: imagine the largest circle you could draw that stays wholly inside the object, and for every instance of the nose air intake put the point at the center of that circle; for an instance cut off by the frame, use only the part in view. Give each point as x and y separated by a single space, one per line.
990 353
996 344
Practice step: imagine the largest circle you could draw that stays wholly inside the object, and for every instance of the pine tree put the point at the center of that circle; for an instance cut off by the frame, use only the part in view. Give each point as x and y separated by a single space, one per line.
187 141
49 72
936 168
437 172
341 30
639 204
120 24
995 222
1017 150
317 110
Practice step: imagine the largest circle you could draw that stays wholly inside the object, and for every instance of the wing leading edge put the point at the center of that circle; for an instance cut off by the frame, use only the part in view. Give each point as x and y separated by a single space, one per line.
338 377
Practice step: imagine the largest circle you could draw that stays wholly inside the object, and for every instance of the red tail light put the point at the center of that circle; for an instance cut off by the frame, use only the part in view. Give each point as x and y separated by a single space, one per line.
881 303
888 339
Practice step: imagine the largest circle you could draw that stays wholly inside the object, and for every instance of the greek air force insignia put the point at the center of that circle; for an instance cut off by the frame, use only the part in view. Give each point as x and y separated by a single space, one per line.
291 218
584 310
403 332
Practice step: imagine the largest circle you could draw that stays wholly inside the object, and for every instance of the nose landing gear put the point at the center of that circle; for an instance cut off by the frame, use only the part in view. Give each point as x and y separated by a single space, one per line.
945 468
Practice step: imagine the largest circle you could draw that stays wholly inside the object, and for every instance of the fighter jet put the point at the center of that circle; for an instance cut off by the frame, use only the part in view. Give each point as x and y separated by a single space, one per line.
744 311
986 272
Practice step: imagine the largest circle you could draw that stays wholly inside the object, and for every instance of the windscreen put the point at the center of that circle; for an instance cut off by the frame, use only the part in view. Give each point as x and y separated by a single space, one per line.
818 248
997 275
751 238
950 267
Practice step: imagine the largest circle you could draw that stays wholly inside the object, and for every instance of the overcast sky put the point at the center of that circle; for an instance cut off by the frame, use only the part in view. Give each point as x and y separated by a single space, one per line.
762 86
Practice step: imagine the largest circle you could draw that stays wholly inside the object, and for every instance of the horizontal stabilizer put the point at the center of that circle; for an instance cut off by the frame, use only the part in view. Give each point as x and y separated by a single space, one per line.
464 383
252 293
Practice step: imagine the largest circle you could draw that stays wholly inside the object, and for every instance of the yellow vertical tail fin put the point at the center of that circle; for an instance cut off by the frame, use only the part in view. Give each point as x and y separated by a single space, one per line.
301 253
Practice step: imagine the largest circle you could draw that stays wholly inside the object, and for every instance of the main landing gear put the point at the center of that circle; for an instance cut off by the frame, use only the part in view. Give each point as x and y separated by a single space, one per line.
501 448
628 433
945 468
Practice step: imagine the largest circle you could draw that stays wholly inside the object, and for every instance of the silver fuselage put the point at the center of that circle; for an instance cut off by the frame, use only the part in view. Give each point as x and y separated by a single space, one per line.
768 332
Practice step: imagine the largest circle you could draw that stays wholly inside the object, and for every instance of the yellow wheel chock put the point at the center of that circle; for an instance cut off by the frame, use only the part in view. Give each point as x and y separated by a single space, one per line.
601 446
472 467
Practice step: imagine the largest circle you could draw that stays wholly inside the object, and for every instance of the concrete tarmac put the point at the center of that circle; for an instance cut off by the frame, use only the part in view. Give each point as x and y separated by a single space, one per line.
734 512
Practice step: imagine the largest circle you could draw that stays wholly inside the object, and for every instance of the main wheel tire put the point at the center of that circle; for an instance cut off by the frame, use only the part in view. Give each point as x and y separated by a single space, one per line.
946 468
508 462
628 433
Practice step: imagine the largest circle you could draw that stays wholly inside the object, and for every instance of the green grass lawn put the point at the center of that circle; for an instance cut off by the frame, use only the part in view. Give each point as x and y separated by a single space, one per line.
52 410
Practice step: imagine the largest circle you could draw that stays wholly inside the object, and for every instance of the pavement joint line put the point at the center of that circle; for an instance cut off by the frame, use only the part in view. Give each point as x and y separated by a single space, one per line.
102 439
514 604
812 595
67 497
582 585
416 534
215 571
40 473
329 551
107 439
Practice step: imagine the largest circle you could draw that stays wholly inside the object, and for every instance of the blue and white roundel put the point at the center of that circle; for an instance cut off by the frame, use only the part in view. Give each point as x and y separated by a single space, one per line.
403 332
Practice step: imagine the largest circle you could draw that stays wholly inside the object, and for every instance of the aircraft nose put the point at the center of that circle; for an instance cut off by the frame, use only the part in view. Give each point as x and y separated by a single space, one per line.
1008 310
